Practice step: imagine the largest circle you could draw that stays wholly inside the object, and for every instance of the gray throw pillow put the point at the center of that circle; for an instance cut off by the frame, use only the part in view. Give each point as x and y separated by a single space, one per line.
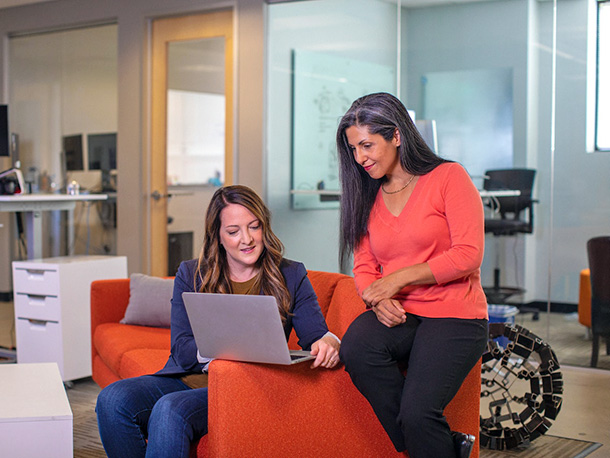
149 301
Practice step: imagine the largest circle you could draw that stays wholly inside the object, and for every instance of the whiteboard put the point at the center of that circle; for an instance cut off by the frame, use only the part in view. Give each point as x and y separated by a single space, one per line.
324 87
473 110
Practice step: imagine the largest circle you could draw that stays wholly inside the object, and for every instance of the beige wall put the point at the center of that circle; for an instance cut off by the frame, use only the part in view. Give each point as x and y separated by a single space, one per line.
133 18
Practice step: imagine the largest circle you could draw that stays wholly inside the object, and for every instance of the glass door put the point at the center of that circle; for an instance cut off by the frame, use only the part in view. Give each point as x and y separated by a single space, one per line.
192 115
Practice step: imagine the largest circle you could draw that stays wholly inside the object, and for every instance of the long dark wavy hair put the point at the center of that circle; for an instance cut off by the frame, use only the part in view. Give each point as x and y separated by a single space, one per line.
212 272
382 114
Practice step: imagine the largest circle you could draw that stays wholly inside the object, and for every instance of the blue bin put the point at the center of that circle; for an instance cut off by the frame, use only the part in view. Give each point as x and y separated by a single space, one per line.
502 314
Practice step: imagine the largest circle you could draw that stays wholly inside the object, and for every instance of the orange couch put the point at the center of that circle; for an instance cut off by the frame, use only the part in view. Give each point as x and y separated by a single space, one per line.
261 410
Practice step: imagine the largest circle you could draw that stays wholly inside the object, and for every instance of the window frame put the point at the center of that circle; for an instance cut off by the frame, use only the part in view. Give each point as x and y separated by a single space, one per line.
596 145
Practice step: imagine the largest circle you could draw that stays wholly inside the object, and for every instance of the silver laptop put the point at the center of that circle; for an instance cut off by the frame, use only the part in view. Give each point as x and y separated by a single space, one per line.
240 328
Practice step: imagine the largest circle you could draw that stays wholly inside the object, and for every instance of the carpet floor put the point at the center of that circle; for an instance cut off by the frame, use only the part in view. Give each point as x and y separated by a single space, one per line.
545 447
82 397
83 394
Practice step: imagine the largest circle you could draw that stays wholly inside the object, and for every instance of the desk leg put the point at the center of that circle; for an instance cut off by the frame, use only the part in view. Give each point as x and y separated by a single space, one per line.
34 234
55 222
70 231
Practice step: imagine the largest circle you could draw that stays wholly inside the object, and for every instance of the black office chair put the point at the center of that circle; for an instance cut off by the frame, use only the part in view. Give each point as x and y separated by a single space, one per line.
514 215
598 251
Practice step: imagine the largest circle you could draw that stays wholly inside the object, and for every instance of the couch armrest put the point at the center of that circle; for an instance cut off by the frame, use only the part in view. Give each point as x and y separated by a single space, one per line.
109 299
345 306
261 410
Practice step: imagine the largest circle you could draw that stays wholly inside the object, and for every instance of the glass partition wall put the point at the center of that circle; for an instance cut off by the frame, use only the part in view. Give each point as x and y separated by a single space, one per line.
314 36
63 108
506 84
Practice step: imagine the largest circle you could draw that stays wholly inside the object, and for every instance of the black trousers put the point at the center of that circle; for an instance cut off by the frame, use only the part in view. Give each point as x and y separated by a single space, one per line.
438 354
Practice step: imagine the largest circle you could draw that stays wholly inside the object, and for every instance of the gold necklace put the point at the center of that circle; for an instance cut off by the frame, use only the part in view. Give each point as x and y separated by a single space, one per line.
397 191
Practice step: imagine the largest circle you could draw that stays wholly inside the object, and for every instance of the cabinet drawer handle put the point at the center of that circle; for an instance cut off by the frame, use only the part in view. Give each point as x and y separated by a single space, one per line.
35 274
38 324
35 299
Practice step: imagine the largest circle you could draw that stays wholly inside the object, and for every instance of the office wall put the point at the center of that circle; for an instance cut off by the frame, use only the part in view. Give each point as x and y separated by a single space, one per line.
519 34
580 189
476 37
571 184
6 221
359 30
64 83
133 19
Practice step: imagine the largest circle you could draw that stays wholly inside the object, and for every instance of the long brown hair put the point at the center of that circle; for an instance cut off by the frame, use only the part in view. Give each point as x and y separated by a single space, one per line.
212 274
382 114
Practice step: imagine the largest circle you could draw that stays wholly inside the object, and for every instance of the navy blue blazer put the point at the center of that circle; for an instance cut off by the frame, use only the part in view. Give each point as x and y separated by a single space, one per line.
306 316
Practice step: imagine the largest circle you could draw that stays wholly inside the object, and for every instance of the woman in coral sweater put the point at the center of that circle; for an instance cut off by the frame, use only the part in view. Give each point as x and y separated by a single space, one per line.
415 224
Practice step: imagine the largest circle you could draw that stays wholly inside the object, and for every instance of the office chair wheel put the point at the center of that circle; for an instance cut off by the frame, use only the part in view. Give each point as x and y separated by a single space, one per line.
526 363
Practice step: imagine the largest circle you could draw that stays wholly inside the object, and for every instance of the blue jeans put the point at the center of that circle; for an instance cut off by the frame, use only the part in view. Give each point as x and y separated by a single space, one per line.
438 354
160 409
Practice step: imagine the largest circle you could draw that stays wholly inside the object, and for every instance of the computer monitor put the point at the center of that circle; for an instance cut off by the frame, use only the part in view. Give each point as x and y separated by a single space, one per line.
73 151
4 135
102 151
427 129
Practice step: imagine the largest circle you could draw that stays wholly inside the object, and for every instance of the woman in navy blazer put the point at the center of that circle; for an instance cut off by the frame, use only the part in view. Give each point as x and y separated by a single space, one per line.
160 415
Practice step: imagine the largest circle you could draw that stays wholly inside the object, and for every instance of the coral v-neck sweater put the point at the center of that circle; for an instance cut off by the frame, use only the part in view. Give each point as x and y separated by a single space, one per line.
442 224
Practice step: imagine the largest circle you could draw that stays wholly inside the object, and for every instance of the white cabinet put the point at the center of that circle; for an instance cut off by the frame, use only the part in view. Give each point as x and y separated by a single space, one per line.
35 417
53 311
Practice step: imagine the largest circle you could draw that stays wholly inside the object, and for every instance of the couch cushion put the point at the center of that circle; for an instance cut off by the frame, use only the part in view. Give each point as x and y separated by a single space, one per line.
149 301
113 340
142 361
102 374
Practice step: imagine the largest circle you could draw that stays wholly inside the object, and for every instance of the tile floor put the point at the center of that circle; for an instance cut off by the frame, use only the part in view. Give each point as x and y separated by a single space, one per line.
585 413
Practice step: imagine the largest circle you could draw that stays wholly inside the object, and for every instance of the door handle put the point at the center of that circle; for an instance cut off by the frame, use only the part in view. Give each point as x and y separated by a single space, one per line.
156 195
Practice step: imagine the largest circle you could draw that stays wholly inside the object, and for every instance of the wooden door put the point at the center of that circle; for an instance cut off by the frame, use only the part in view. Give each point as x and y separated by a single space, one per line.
165 32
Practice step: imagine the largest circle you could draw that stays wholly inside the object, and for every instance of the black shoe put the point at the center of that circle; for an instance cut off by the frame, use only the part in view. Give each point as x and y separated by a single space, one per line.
463 444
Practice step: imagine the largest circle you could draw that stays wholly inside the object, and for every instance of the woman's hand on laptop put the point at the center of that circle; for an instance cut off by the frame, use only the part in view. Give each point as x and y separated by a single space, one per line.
326 351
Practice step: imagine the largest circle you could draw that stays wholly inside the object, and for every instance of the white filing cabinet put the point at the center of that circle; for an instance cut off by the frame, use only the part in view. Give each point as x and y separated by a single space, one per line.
53 311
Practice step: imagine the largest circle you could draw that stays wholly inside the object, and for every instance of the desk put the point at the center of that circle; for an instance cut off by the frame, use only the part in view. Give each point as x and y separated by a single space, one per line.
32 205
499 193
35 415
491 197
